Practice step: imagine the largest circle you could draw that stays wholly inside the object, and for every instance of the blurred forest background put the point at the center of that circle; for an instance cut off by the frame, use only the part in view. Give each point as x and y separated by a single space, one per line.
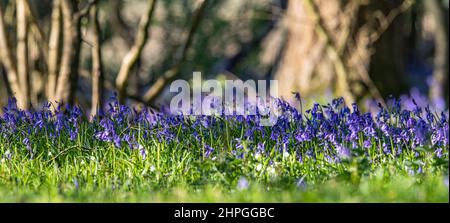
81 51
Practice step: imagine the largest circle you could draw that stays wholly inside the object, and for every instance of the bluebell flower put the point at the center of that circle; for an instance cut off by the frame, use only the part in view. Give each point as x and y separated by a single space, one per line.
208 150
342 151
243 183
438 152
142 151
367 143
27 144
297 96
299 157
301 183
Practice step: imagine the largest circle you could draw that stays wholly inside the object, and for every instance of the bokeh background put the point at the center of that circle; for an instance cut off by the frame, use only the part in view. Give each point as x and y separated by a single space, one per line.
81 52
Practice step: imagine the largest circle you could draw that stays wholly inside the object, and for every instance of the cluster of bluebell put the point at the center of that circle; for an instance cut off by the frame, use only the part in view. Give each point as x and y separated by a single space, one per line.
334 130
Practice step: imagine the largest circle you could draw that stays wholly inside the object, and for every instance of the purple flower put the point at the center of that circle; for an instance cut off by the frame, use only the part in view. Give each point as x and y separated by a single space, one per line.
367 143
242 184
142 151
297 96
399 150
299 157
386 148
117 141
27 144
438 152
421 132
301 183
8 155
385 129
73 133
208 150
331 130
261 148
342 151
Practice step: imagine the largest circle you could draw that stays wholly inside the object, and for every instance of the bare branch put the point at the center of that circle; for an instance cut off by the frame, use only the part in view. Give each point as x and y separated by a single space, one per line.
84 11
155 90
385 21
135 52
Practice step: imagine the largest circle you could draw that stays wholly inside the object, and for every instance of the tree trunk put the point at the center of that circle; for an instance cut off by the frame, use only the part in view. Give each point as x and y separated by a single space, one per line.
8 61
53 45
306 66
22 54
439 84
389 48
97 69
330 46
68 75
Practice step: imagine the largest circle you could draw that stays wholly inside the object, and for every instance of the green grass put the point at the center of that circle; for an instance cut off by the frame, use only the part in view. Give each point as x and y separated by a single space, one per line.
399 189
172 173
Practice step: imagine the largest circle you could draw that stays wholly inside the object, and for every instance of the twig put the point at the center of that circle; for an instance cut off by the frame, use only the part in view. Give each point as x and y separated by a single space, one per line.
84 11
387 20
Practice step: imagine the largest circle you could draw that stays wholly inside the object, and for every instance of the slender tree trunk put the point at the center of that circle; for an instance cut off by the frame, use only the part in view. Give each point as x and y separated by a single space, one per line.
36 69
8 61
4 82
97 69
22 54
440 72
53 54
68 75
